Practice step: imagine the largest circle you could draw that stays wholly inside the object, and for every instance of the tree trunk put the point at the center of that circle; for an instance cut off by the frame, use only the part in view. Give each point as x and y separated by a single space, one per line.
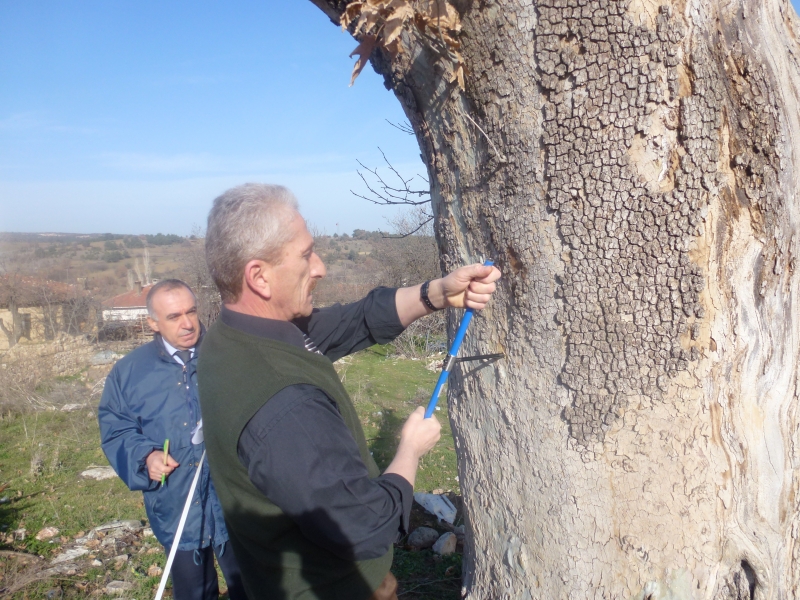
632 168
15 331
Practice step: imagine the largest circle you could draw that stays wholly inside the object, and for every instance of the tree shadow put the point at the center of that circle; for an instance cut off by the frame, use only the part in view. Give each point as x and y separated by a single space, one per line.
384 445
469 372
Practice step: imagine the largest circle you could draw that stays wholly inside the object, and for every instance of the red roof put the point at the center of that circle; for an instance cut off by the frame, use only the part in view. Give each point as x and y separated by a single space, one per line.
132 299
32 291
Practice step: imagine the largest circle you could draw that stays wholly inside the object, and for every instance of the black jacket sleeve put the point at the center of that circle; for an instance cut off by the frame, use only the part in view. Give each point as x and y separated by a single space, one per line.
339 330
300 454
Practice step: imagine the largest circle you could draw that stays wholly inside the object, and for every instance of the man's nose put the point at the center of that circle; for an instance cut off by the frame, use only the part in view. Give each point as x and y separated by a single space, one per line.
317 266
186 323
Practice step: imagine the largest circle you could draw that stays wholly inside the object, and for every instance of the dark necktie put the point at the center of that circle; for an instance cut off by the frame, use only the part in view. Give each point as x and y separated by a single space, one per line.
184 355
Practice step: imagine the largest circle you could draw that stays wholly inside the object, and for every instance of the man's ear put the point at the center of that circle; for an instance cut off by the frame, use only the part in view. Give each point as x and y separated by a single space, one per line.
153 324
257 276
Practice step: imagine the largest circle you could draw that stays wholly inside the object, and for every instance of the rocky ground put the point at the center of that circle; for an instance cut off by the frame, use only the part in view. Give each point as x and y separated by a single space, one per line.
108 548
111 559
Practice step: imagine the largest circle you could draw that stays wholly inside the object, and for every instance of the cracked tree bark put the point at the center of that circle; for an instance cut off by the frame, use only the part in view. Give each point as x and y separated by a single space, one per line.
642 438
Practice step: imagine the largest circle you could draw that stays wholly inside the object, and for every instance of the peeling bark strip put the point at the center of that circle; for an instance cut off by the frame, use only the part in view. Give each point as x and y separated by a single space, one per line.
634 168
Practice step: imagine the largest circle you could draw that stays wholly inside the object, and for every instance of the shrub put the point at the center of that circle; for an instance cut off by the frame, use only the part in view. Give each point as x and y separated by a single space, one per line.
160 239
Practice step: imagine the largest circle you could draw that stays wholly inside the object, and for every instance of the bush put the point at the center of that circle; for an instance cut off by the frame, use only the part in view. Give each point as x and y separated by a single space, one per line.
423 337
115 256
45 252
160 239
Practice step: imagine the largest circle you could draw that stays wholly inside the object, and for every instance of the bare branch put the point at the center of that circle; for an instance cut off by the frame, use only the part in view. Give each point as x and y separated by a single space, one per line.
399 236
404 127
397 191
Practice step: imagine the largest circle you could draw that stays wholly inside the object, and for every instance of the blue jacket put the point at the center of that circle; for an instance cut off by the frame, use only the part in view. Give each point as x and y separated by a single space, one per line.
149 397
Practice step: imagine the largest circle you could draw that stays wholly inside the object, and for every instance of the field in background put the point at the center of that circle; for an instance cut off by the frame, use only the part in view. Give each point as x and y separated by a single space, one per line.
43 453
101 262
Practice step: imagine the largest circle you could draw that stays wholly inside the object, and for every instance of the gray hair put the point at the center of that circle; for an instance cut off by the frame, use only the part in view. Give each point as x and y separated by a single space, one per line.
245 223
165 285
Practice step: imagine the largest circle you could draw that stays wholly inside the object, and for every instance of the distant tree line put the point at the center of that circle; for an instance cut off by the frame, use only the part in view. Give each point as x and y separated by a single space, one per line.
86 240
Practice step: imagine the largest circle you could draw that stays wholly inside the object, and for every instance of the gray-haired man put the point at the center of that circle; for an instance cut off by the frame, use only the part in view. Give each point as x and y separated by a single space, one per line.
309 514
151 396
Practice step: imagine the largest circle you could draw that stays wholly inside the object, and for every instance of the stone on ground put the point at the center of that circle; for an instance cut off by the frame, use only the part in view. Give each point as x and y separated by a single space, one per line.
118 587
422 537
47 533
446 544
99 473
70 554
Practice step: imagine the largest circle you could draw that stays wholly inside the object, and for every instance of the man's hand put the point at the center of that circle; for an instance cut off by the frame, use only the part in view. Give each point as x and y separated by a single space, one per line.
156 467
468 287
419 434
417 437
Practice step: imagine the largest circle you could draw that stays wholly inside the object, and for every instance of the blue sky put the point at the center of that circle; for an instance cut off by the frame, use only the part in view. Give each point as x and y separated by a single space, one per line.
132 116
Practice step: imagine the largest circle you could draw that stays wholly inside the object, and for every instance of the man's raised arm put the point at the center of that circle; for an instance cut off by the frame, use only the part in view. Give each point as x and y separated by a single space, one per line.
384 313
467 287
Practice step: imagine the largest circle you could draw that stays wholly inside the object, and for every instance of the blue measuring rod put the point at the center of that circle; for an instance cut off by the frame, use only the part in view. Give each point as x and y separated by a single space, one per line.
451 356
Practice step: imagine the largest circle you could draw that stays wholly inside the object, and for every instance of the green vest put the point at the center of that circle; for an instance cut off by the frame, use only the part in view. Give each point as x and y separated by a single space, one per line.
237 374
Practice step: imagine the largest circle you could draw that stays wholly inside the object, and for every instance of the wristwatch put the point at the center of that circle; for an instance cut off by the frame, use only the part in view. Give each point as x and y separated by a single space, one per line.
423 294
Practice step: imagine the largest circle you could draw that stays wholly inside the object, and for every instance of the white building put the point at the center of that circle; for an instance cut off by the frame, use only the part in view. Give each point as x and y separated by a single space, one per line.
126 309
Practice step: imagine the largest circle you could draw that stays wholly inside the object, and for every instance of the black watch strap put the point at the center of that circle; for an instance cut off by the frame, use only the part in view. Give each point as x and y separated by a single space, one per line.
423 294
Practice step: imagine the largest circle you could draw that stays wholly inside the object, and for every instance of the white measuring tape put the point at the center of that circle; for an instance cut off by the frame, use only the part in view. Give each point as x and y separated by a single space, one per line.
179 531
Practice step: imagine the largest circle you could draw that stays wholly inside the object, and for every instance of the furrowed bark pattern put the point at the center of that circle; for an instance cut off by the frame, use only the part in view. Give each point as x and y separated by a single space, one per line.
629 162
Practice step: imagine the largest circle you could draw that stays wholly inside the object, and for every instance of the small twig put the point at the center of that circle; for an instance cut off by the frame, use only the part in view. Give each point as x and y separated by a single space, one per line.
403 127
28 579
389 194
32 494
400 236
501 157
18 554
429 583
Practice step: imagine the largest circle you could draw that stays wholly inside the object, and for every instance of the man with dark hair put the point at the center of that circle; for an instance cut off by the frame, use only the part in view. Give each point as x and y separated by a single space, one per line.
309 513
151 396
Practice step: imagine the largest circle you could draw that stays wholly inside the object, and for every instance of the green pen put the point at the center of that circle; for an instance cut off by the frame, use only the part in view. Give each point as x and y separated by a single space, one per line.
166 453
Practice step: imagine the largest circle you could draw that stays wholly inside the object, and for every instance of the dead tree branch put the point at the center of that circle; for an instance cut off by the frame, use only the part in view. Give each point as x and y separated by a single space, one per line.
396 190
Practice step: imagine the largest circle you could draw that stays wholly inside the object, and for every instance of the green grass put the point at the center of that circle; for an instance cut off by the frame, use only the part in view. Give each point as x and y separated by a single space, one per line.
426 576
385 391
42 455
41 458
